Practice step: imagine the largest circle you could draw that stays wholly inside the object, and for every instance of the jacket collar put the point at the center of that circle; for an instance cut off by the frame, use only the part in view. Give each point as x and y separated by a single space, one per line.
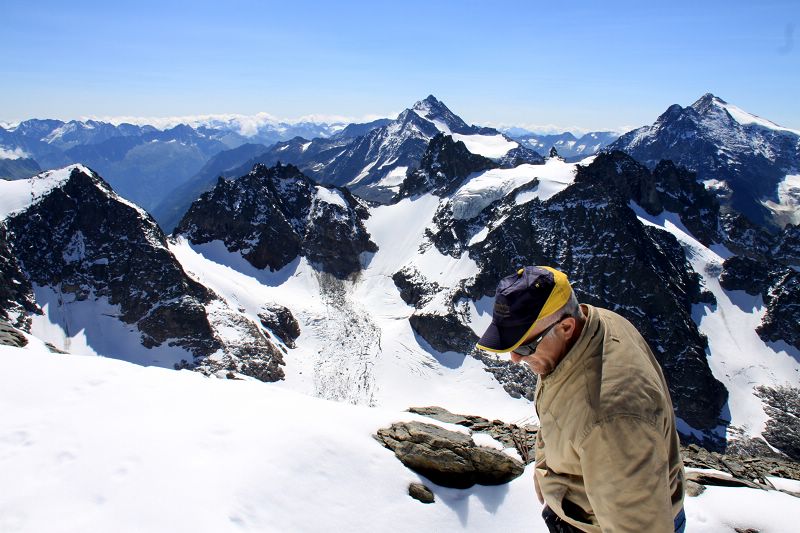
588 342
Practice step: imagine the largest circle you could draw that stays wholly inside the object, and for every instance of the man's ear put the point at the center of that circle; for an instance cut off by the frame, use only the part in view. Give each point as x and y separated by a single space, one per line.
568 327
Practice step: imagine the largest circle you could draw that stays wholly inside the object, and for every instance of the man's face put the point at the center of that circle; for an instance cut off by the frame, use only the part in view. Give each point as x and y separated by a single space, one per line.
549 351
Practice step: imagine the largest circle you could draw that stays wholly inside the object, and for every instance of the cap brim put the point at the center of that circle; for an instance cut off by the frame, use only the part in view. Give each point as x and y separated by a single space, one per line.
501 340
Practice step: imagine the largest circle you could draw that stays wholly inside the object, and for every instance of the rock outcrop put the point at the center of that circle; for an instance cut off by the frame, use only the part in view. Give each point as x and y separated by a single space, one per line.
448 458
273 215
82 242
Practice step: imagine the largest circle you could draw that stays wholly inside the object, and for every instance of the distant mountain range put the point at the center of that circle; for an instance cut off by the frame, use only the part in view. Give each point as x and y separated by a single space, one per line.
566 144
164 168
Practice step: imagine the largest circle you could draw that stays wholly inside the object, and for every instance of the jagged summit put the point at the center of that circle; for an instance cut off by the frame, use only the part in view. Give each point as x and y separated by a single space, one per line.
706 101
437 112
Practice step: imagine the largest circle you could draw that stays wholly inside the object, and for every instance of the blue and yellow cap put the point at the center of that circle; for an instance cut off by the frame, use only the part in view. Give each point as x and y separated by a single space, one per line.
521 301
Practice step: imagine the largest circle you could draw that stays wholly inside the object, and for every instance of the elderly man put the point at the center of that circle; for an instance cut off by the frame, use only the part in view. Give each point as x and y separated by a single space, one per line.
607 453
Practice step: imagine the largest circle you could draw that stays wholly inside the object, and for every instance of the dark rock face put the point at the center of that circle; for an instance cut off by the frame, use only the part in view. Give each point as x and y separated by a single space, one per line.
88 244
16 293
444 333
436 316
780 288
788 247
589 232
281 322
443 167
782 404
82 239
273 215
520 156
448 458
517 380
706 139
748 467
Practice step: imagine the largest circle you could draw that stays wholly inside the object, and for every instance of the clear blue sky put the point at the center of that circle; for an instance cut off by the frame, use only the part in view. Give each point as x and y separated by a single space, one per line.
592 65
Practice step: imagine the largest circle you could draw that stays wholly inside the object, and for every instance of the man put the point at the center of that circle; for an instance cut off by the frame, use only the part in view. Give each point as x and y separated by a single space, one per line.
607 453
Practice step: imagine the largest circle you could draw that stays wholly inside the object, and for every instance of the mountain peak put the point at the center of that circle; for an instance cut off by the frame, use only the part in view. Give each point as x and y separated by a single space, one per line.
435 111
430 102
708 102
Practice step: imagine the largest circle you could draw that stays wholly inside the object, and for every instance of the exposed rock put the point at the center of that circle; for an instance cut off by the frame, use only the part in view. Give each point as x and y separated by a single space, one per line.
420 492
444 332
523 438
16 293
11 336
517 380
443 167
782 404
272 215
414 288
448 458
751 468
520 155
84 240
280 321
717 480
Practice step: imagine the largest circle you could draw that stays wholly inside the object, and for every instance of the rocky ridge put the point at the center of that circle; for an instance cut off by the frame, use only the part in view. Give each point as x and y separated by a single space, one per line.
83 243
273 215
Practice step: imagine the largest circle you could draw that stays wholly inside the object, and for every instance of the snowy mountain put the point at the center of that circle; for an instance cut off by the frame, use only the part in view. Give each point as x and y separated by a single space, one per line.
374 165
751 163
568 146
95 276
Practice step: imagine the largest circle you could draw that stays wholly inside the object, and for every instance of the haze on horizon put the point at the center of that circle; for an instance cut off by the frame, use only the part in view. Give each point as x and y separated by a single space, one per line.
580 67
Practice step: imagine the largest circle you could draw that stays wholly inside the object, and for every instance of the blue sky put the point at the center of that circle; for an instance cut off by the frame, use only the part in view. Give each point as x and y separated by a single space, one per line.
590 65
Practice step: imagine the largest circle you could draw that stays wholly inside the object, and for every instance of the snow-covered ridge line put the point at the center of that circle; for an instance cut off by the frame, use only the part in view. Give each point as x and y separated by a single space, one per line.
743 117
17 195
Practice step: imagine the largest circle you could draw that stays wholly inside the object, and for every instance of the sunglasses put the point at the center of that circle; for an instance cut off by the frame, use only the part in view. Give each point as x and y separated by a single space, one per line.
527 349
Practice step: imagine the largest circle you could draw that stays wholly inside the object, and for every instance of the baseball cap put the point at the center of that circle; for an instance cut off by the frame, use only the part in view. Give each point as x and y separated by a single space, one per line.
523 299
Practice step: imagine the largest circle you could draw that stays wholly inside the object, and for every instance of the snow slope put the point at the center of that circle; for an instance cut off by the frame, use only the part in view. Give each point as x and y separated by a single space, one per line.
480 190
16 195
356 344
736 354
743 117
95 444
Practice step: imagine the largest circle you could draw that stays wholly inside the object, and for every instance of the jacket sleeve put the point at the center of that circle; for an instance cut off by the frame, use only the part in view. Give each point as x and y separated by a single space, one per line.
626 475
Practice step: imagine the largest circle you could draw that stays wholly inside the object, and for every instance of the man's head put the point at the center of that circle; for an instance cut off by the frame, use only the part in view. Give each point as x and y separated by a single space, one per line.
536 317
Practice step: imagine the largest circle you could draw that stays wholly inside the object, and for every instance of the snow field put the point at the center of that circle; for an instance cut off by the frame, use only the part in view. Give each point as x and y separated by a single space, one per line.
96 444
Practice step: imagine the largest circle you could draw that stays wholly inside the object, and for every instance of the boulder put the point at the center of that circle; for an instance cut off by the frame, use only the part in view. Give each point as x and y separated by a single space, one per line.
420 492
448 458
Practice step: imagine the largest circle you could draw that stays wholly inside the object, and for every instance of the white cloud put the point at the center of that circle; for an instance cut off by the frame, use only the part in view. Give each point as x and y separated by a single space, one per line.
246 125
16 153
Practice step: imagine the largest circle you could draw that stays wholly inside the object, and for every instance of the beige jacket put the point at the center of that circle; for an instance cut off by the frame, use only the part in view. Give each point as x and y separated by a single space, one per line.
607 455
